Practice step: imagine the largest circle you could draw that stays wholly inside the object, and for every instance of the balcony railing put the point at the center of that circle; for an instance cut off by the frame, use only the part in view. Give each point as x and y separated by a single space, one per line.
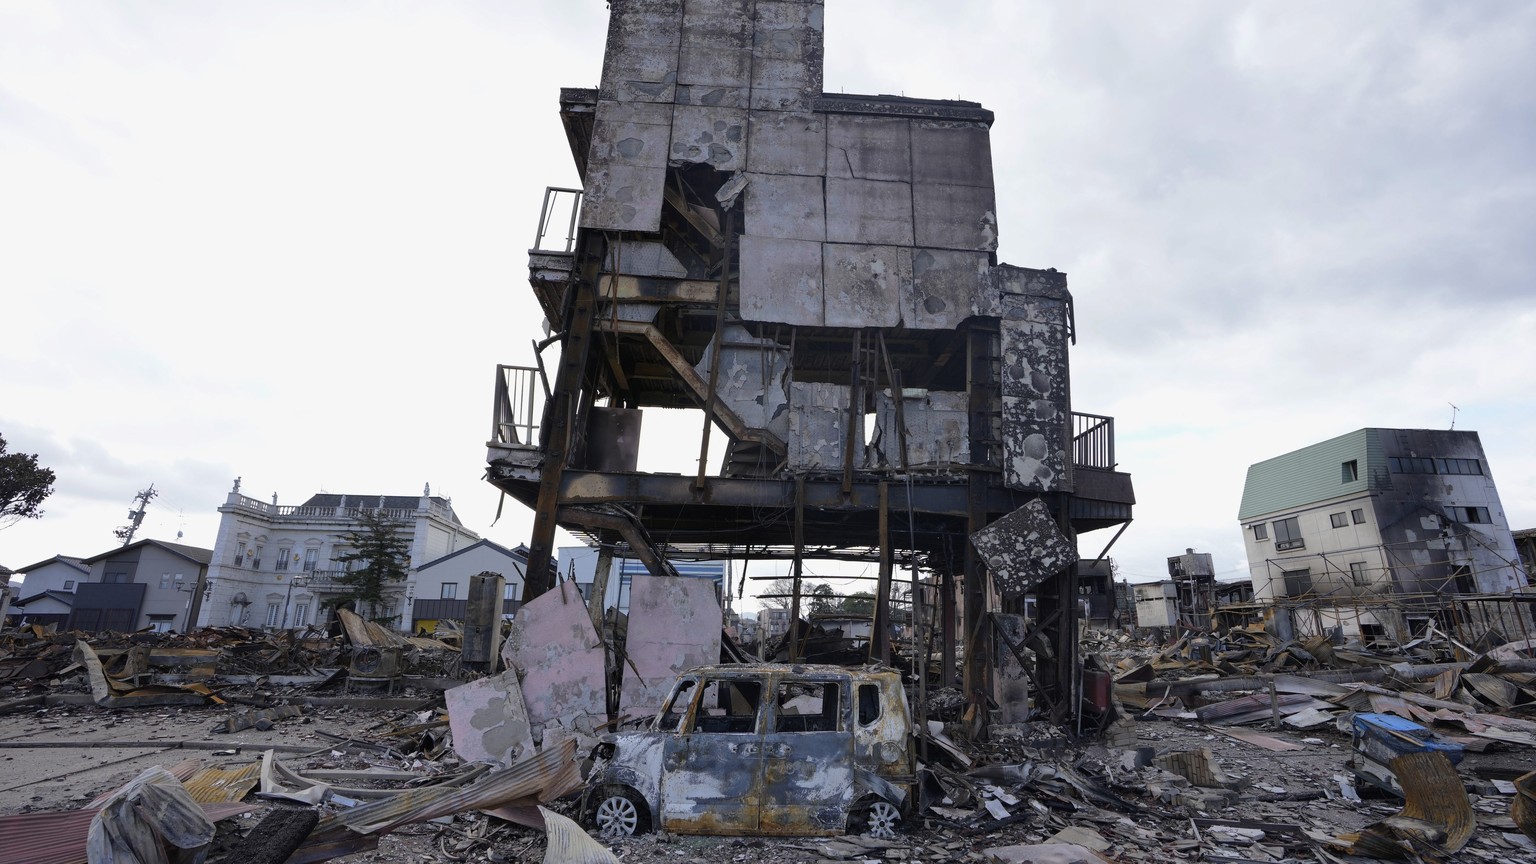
561 207
1093 441
518 407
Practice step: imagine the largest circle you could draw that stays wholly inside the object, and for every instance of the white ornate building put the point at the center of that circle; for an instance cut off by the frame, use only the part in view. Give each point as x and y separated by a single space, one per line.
274 566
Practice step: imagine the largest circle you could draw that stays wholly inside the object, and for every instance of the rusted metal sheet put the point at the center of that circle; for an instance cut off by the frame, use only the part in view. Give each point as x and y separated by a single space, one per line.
560 662
58 837
549 774
568 844
1024 548
674 624
223 785
1436 811
489 720
1523 808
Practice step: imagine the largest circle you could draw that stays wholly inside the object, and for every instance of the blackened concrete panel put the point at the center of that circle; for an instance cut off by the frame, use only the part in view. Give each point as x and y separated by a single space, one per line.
715 67
937 427
489 720
754 379
631 133
714 136
785 206
787 54
710 94
869 211
787 143
781 280
869 148
1023 549
555 652
674 624
955 217
621 198
1036 412
641 61
818 418
864 284
945 287
952 154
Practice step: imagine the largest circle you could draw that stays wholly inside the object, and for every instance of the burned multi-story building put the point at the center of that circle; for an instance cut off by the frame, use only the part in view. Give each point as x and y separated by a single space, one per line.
817 272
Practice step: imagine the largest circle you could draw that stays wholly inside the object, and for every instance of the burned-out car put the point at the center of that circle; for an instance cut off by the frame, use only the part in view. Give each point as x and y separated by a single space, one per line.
762 749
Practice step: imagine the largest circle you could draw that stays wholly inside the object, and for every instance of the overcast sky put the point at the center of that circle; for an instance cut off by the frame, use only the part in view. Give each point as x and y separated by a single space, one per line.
287 240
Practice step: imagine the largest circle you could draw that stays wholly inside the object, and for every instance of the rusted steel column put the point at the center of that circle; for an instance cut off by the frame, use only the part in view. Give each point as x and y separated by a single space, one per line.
595 604
982 405
555 432
880 637
946 592
795 571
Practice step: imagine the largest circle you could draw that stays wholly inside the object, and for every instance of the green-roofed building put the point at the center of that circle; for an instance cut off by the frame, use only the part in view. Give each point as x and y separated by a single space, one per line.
1386 520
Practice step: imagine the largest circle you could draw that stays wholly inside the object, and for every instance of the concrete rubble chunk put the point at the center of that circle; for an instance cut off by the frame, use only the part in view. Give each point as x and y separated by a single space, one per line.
1044 853
560 663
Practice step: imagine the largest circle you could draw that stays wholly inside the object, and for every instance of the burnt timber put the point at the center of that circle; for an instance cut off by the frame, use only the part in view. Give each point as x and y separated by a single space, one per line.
818 274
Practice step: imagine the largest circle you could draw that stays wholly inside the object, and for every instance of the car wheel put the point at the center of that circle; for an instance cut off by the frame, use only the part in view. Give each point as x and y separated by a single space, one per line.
880 819
619 813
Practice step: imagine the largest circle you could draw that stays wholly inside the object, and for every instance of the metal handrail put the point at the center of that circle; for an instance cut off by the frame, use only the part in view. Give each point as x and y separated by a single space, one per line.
518 407
557 201
1093 441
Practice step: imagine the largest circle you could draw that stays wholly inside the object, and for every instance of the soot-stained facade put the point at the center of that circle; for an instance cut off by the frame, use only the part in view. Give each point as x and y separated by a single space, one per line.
818 273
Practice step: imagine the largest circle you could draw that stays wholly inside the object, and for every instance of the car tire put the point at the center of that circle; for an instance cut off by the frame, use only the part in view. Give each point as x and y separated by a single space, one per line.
878 818
620 812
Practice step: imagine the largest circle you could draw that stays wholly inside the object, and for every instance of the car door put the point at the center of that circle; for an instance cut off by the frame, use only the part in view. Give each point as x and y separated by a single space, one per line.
807 757
711 769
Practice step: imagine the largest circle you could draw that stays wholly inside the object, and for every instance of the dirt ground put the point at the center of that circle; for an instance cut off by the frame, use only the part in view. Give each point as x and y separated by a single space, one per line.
91 750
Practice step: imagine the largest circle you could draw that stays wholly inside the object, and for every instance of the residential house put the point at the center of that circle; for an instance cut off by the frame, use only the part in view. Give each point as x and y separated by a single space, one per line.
1372 532
275 566
46 592
150 584
1525 545
59 573
580 563
442 586
1194 576
1157 604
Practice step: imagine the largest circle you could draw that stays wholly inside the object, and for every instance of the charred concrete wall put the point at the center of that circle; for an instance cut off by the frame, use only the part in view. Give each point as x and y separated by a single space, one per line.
855 212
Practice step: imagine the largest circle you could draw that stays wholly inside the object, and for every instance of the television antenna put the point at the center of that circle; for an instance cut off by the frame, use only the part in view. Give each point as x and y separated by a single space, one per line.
1454 409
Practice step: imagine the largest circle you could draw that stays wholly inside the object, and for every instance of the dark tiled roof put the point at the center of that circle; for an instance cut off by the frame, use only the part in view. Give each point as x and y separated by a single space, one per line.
518 554
195 554
64 597
63 559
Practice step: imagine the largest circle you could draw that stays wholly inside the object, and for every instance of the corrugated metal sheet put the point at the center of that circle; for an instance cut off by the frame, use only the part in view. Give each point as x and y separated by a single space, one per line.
223 785
1312 474
58 837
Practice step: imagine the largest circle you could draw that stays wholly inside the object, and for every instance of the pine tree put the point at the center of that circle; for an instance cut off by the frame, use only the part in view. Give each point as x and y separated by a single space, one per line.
383 554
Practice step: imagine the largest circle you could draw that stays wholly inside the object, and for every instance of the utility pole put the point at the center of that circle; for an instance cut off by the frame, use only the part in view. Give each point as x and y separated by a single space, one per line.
136 517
